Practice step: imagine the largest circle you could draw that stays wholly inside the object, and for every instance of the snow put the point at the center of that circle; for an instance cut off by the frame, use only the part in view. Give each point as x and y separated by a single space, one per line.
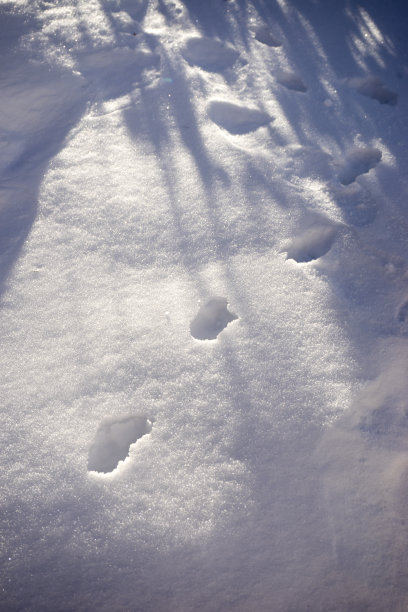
203 276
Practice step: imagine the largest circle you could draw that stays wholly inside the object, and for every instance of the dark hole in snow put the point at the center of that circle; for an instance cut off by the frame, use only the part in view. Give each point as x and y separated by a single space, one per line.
113 439
211 319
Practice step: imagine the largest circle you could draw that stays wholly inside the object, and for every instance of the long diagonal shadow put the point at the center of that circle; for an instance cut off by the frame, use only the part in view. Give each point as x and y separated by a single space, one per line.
40 106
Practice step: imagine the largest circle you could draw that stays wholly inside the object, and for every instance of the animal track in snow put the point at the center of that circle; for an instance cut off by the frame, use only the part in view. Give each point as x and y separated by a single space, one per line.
373 87
265 36
113 439
358 205
313 243
402 316
358 161
308 161
209 53
291 80
235 118
211 319
386 424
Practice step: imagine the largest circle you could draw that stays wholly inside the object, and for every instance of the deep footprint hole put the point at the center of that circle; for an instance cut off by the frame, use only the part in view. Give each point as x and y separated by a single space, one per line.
358 161
211 319
113 439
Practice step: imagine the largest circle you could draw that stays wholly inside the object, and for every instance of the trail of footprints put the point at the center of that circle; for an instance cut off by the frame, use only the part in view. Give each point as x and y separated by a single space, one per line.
358 206
114 436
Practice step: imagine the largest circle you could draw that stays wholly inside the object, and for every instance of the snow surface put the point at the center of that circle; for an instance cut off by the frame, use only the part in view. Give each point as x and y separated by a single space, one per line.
204 305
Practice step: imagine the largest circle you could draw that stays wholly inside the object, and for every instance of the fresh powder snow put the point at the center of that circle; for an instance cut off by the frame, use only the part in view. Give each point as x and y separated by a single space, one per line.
204 305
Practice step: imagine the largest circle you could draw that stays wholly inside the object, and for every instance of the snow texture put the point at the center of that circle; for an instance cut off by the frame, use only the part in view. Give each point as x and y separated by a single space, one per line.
203 305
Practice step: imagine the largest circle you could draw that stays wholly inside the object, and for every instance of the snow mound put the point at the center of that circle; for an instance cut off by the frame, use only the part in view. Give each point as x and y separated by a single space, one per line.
235 118
211 319
113 439
209 53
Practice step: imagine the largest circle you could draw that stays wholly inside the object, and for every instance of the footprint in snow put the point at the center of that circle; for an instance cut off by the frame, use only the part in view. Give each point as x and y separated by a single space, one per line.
358 161
209 53
385 423
313 243
113 439
402 317
265 36
235 118
308 161
211 319
373 87
358 205
290 80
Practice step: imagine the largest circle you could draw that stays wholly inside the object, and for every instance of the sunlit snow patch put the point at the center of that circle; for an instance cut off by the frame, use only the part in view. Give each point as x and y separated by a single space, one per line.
113 439
358 161
291 80
373 87
209 53
211 319
235 118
